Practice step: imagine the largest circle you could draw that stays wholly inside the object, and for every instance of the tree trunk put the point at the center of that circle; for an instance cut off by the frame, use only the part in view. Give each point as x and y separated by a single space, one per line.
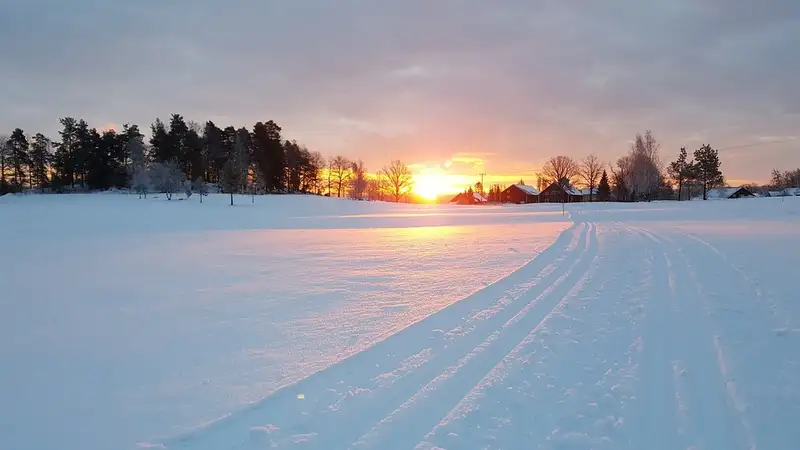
231 198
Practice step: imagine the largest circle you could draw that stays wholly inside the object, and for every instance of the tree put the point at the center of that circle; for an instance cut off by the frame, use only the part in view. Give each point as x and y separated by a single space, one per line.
167 178
644 172
40 161
19 158
708 168
269 155
140 179
561 169
358 182
160 150
620 178
65 158
200 186
604 188
398 179
339 170
681 171
591 169
234 174
5 152
375 188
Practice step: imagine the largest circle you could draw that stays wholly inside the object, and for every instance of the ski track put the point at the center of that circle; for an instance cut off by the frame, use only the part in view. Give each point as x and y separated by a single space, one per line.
704 417
538 395
424 354
577 349
404 427
754 359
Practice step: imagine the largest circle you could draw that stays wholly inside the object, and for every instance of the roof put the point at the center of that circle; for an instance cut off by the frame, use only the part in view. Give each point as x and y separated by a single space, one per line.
530 190
479 197
792 192
586 191
725 192
569 190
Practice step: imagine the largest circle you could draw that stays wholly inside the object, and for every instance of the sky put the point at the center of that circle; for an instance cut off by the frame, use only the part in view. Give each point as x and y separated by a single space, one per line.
456 87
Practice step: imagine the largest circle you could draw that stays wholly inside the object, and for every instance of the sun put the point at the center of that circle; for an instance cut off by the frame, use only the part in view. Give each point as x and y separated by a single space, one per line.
430 185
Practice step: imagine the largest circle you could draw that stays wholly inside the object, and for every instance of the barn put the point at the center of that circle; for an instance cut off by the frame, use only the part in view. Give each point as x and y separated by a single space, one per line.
556 193
519 194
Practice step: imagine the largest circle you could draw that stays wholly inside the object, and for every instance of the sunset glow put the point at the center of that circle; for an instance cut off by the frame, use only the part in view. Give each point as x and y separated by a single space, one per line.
430 183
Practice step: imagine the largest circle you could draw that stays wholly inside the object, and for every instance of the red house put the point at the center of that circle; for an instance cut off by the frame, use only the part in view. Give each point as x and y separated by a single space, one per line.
556 193
519 194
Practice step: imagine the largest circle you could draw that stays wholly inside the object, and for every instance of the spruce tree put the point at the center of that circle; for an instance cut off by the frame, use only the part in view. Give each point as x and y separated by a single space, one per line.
604 188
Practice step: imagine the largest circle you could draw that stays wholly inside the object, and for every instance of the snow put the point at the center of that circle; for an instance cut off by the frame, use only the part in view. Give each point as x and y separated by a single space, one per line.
307 322
530 190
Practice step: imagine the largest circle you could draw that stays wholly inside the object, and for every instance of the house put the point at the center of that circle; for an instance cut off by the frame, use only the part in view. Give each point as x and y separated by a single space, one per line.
586 191
520 193
791 192
469 198
728 192
775 194
555 193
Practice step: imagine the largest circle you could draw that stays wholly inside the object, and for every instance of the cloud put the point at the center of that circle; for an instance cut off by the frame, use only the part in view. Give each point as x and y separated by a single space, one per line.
420 80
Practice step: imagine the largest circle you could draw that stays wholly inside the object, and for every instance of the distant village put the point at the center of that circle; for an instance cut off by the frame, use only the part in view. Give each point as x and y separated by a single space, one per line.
521 193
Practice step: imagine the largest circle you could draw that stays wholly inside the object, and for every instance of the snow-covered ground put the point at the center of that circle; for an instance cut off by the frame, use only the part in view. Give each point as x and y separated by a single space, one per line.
315 323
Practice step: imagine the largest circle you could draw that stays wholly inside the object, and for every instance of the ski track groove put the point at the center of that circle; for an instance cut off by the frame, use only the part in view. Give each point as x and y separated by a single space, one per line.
657 403
701 343
407 424
235 431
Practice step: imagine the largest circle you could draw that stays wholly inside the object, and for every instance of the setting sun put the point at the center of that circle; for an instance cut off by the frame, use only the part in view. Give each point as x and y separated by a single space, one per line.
430 183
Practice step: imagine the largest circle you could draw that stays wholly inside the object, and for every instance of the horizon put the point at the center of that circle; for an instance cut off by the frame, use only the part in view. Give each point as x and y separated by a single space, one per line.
542 80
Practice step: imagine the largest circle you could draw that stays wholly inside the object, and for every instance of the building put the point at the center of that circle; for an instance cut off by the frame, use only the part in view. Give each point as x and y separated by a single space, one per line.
555 193
519 194
728 192
791 192
469 198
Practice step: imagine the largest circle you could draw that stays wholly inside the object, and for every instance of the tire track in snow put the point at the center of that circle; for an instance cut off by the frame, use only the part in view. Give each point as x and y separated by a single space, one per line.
463 382
709 407
359 386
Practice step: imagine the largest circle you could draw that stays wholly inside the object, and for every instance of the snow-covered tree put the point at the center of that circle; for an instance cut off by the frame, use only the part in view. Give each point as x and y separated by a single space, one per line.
166 177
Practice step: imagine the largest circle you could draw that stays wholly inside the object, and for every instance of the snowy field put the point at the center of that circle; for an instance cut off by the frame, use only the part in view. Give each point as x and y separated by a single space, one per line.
315 323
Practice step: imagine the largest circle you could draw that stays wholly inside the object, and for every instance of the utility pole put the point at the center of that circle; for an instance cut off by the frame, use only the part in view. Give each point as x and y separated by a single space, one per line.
482 186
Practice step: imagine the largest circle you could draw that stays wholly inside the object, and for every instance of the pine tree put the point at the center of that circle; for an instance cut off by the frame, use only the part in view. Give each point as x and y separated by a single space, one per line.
213 151
604 188
85 143
64 159
19 158
234 174
159 143
707 170
176 143
40 161
268 155
681 170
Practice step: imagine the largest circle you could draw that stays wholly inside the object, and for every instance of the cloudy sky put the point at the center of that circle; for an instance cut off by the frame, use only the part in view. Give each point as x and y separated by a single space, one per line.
466 85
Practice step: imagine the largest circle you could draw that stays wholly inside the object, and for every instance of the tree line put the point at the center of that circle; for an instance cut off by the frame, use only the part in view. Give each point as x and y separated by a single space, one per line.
186 155
638 175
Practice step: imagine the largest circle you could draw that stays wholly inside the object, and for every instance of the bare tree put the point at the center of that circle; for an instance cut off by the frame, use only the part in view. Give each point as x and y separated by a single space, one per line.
397 177
140 178
562 170
166 178
591 171
340 172
645 174
358 182
199 185
375 188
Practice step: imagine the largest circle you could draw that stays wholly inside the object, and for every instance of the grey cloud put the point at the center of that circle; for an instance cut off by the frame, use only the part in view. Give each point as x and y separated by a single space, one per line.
521 78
